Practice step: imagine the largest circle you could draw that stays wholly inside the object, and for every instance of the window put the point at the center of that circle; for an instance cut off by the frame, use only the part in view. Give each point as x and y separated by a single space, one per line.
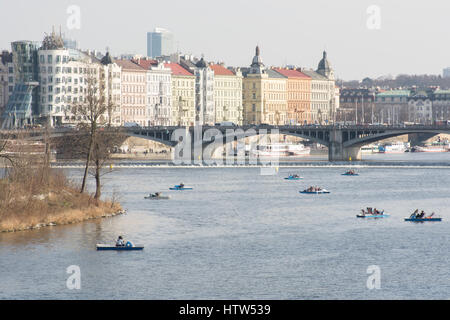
49 59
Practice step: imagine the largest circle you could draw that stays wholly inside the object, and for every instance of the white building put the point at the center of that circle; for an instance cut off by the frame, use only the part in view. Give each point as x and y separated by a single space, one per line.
159 92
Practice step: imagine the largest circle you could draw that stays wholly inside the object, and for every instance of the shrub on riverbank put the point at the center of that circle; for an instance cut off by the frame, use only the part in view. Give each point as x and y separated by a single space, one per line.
33 196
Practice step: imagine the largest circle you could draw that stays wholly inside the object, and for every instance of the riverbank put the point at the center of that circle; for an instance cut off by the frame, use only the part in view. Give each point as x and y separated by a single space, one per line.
55 208
35 196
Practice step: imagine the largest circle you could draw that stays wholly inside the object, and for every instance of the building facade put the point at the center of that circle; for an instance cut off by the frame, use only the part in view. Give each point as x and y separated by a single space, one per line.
264 94
133 94
420 108
183 95
159 92
392 106
298 96
357 106
227 94
441 105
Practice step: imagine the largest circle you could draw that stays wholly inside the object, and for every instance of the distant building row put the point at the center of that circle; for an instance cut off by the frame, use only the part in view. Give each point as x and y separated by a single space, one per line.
42 83
394 106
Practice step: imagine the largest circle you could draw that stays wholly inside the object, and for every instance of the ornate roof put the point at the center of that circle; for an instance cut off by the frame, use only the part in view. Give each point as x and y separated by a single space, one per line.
257 61
106 59
201 64
324 67
52 42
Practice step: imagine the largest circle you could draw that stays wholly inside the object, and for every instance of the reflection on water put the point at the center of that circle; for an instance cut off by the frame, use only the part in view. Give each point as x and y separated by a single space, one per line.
241 235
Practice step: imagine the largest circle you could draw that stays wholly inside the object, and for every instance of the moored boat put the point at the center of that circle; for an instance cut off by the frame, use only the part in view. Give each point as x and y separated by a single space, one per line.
394 147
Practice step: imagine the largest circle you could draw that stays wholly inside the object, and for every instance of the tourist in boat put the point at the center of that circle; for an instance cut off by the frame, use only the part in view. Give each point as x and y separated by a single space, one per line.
363 213
120 242
182 185
375 211
157 194
420 215
414 214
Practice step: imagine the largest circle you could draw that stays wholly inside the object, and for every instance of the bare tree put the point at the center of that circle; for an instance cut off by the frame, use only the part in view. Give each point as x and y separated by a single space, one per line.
90 111
95 130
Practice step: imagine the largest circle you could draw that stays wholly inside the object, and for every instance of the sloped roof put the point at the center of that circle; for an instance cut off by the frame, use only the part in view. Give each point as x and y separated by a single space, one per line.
129 65
273 74
146 63
220 70
290 73
177 70
314 75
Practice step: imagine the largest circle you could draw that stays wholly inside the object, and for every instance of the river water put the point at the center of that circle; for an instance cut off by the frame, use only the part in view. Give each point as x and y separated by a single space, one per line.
243 235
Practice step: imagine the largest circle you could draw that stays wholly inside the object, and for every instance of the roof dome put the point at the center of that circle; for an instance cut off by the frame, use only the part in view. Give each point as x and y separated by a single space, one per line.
106 59
324 67
257 61
324 64
201 63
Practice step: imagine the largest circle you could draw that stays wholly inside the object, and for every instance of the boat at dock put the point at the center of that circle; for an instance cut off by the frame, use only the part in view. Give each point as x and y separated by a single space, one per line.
281 150
394 147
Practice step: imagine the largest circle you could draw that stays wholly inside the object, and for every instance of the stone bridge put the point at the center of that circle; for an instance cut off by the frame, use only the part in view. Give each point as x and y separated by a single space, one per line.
343 142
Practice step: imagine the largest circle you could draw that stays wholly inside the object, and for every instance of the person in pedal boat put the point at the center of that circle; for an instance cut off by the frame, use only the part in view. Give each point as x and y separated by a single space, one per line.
120 242
157 194
182 185
414 214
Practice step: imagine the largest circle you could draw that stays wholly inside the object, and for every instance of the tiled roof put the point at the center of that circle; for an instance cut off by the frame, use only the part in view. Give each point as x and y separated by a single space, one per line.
146 64
292 73
220 70
129 65
177 70
314 75
274 74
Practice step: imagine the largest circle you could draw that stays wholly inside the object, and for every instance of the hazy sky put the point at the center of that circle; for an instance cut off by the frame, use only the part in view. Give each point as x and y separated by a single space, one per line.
413 35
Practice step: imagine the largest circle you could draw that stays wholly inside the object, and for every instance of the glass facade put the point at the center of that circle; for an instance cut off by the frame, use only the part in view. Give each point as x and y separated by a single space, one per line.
159 43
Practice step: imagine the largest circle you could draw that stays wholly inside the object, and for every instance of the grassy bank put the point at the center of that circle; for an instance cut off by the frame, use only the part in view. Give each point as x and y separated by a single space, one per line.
35 196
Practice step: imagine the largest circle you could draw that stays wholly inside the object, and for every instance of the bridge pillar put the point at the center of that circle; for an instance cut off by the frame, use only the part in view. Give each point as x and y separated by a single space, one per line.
337 151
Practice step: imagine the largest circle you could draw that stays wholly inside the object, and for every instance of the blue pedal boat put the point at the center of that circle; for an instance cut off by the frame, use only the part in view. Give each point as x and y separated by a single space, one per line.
178 187
372 216
349 174
422 219
293 178
104 247
315 192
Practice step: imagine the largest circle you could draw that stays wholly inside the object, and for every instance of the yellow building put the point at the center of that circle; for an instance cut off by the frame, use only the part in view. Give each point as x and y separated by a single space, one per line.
264 95
183 95
227 95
